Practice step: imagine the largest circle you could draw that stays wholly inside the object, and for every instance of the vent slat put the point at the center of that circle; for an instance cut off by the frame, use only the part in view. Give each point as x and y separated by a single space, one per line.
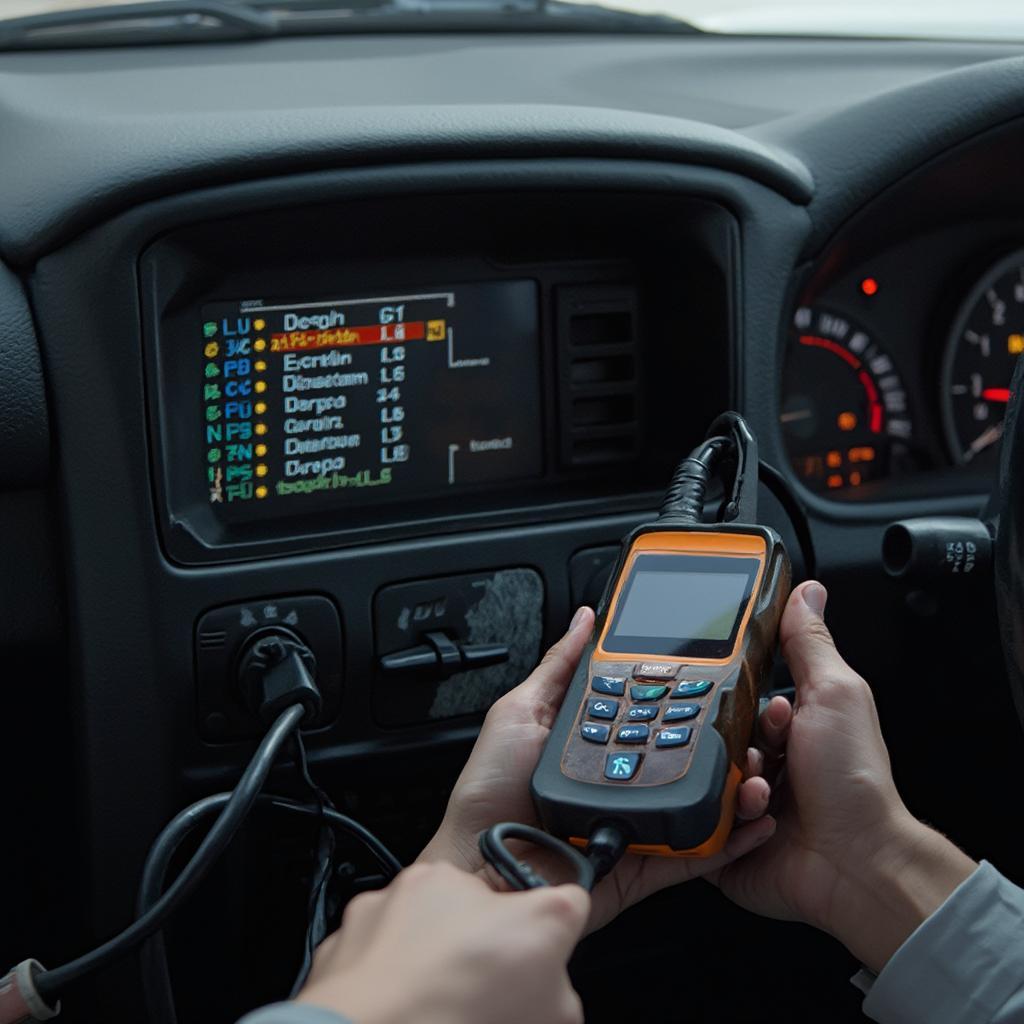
597 347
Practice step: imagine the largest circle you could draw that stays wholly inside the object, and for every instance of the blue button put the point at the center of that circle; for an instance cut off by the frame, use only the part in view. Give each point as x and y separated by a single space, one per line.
647 692
678 737
633 734
621 767
680 712
595 732
601 707
642 712
608 684
692 688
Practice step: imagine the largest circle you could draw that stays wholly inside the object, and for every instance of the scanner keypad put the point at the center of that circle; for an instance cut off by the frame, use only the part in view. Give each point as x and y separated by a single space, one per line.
652 733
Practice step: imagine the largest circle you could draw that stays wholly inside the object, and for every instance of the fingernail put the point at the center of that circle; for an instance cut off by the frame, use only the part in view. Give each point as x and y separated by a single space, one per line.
577 619
815 596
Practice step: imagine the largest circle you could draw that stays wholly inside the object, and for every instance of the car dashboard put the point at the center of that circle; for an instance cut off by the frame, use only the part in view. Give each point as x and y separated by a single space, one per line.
386 340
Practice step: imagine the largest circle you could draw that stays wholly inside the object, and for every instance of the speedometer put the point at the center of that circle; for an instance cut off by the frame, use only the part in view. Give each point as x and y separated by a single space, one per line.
844 410
987 338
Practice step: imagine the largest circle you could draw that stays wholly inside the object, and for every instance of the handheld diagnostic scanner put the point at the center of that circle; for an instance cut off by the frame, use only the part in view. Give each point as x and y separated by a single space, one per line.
653 734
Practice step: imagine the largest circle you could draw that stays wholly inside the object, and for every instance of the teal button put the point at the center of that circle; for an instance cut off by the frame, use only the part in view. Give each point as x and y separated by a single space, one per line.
692 688
647 692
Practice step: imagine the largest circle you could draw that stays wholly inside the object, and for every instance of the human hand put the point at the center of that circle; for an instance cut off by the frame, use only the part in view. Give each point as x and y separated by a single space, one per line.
439 946
847 856
495 786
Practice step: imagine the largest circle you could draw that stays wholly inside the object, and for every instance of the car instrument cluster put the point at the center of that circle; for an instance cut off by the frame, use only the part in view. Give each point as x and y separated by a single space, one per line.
893 375
844 409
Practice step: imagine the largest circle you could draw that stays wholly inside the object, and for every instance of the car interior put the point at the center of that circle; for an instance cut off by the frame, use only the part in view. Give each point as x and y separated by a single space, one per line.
374 330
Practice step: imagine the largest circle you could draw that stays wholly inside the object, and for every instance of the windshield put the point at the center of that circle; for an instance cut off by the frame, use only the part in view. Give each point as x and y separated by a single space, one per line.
998 20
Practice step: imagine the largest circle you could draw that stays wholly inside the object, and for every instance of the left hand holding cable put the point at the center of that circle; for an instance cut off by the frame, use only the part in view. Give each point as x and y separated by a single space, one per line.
495 786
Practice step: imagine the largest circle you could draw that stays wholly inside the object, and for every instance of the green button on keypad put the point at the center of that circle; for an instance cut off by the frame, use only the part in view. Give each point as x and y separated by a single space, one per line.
640 692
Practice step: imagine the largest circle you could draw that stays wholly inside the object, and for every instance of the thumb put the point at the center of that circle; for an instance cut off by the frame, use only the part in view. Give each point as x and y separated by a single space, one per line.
807 644
547 683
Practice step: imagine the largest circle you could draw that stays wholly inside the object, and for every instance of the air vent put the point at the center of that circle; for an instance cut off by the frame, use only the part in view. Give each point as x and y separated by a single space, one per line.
597 349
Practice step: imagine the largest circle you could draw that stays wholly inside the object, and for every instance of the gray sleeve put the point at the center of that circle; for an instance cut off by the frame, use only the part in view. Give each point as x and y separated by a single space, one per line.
964 965
293 1013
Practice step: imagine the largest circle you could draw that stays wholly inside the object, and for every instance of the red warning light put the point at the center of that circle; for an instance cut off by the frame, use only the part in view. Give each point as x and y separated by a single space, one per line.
869 286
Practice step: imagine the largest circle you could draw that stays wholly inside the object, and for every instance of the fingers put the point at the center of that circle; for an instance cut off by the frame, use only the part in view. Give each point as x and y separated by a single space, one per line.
440 923
545 687
571 1009
773 727
555 924
745 838
565 907
359 925
752 799
808 648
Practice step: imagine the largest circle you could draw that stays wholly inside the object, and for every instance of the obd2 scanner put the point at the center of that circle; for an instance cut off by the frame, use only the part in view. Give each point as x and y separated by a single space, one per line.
648 749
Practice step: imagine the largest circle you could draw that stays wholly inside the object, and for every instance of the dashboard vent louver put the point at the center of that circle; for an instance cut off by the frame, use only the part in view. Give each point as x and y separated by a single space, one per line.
598 372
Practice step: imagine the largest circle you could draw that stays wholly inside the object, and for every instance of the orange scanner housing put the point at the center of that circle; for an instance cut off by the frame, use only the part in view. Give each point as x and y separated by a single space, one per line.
695 701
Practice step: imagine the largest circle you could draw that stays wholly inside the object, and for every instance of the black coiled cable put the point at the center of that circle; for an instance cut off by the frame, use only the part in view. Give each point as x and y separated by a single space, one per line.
684 499
156 981
603 851
49 984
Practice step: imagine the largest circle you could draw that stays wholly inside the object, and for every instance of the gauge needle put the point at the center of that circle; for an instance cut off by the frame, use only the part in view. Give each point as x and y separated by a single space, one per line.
795 414
996 394
982 441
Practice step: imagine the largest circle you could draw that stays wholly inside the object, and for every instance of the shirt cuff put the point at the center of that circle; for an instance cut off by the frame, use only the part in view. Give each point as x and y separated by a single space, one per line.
958 966
293 1013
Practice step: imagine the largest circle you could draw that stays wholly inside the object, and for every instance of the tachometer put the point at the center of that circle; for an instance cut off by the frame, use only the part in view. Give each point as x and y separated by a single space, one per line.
987 337
844 408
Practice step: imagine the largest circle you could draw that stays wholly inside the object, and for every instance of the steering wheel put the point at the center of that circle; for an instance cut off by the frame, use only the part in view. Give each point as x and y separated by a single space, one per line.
1006 508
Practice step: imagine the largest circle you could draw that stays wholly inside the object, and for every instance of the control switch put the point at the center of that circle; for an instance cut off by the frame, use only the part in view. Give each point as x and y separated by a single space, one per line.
452 645
441 656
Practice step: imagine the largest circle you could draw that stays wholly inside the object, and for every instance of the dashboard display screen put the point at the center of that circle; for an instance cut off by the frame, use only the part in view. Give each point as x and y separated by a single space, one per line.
334 401
679 605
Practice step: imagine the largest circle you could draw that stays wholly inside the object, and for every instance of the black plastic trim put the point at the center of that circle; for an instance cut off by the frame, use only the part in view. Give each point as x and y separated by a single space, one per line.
24 416
165 159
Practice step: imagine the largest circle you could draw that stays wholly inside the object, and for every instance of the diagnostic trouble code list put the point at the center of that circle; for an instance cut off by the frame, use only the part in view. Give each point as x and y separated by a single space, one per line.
396 394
